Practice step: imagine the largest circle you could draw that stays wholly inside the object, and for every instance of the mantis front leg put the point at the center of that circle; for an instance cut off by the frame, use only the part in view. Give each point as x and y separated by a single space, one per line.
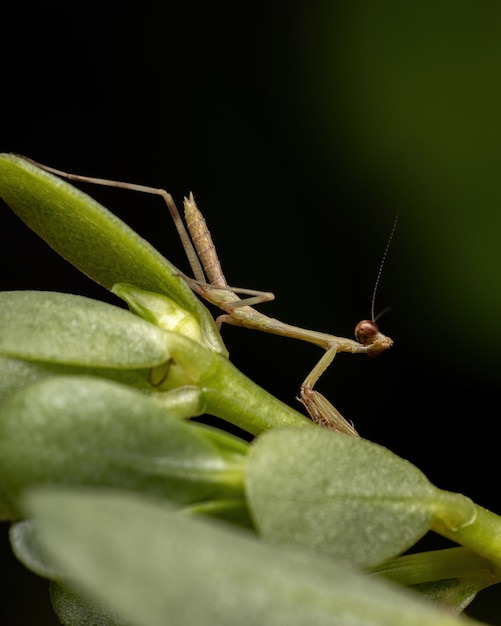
319 408
369 340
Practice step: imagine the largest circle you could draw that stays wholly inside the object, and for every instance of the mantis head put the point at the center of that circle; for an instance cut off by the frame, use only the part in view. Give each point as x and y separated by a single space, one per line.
368 334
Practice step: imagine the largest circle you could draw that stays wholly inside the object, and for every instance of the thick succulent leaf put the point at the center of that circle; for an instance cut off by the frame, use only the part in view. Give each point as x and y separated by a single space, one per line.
452 576
8 509
153 567
18 373
96 241
89 431
23 540
337 495
159 310
457 593
73 330
73 610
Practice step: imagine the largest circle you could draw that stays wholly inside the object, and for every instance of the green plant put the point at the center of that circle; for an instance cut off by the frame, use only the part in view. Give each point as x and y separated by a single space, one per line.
139 516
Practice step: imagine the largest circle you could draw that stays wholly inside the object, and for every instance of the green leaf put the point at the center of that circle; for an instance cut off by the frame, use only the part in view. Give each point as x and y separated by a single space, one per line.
338 495
96 241
159 310
154 567
8 510
73 610
18 373
73 330
452 576
457 593
89 431
23 540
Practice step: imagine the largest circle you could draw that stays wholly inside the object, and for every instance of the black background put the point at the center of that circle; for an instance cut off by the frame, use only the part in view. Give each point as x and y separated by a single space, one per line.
210 98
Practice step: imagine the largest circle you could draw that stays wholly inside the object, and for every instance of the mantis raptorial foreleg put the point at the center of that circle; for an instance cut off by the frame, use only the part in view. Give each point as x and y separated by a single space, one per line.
210 283
319 408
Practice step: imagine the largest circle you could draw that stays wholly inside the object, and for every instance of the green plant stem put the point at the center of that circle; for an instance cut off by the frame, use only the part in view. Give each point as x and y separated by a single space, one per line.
482 535
226 392
238 400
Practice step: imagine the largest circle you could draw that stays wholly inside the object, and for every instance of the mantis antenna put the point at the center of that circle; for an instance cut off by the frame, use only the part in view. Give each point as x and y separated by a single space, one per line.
378 277
367 330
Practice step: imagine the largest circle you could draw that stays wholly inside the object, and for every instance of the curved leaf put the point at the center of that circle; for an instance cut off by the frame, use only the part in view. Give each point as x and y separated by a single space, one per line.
456 593
88 431
159 310
338 495
18 373
452 576
23 540
73 610
8 509
73 330
154 567
96 241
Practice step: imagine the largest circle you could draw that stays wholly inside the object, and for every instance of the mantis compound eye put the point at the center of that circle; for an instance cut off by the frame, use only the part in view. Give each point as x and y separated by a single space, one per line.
366 332
369 335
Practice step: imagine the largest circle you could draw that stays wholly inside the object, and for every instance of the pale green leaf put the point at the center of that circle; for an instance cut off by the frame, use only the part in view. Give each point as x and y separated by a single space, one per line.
23 541
89 431
8 510
457 593
154 567
73 610
159 310
73 330
452 576
337 495
18 373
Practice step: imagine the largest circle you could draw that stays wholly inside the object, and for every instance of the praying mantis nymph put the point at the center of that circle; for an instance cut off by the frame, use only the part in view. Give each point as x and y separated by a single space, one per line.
210 283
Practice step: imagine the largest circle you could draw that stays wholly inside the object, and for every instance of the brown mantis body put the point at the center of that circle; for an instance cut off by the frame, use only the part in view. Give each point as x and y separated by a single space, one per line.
210 284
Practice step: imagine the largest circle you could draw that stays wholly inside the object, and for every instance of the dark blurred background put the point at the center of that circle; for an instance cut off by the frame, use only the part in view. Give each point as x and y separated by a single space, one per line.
302 129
